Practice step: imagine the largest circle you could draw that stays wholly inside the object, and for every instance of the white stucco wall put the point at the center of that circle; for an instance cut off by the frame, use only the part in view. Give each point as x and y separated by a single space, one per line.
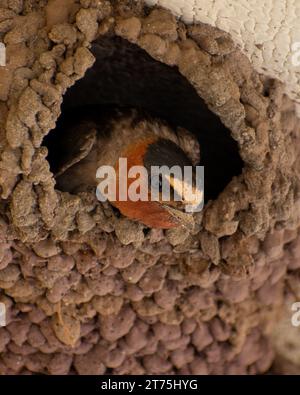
268 31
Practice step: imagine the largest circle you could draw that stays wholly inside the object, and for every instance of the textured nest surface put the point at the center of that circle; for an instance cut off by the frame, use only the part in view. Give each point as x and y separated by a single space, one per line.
88 291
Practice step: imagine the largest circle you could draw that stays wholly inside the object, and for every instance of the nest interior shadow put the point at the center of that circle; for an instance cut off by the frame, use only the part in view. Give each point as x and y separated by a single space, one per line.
124 75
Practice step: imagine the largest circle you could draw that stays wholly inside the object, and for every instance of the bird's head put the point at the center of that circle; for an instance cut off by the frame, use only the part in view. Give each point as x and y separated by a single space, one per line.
92 142
169 193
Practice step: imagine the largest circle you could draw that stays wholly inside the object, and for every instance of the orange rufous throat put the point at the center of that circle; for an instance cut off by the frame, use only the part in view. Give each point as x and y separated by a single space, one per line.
150 213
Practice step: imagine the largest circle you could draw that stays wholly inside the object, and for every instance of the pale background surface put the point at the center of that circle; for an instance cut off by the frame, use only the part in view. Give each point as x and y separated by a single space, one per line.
266 30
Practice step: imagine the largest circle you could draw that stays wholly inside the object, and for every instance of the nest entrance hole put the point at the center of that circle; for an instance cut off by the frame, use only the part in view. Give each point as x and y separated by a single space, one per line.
125 75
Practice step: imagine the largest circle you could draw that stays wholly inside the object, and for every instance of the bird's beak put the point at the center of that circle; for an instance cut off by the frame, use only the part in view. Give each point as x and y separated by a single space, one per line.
181 217
186 200
191 196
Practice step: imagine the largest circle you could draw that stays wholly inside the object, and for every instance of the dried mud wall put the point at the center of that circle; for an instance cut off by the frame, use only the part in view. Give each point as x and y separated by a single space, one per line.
90 292
268 32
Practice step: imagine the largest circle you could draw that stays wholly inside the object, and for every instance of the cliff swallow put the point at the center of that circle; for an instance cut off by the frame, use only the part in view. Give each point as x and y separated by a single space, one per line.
94 140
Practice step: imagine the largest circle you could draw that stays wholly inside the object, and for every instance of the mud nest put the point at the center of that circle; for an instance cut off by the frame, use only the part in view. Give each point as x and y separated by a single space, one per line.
88 291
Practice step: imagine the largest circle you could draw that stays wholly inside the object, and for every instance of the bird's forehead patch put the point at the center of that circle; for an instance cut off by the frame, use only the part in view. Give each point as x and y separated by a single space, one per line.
189 192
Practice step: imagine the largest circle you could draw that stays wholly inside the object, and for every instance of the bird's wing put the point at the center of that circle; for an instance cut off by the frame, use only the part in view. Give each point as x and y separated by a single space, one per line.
76 145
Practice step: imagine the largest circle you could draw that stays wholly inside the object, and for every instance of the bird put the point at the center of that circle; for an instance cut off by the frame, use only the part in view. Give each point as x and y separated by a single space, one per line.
90 138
